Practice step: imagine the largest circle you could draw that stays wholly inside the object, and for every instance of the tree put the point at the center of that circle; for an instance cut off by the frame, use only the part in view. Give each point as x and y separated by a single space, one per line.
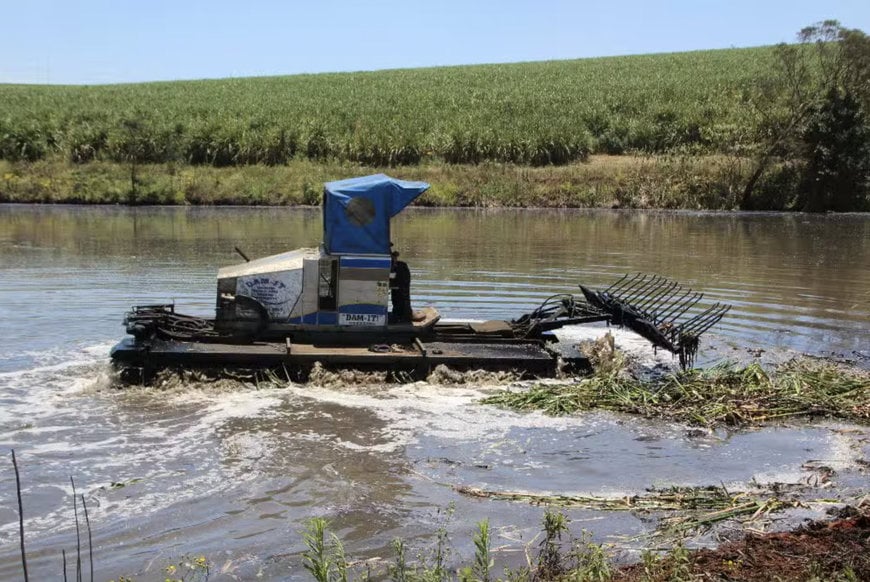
837 155
813 111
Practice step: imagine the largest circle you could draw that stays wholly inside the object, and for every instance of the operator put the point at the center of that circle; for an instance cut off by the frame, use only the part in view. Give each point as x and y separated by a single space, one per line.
400 290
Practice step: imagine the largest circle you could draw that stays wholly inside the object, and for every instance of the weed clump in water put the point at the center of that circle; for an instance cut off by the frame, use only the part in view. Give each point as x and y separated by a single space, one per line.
444 375
722 395
602 354
329 378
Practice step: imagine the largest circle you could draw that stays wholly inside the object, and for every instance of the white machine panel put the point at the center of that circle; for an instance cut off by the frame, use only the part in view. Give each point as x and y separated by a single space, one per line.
278 292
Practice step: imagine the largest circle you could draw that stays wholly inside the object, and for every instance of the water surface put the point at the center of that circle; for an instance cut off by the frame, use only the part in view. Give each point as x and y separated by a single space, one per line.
232 470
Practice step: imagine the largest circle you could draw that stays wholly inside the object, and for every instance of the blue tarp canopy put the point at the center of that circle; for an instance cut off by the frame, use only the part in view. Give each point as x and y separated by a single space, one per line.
357 212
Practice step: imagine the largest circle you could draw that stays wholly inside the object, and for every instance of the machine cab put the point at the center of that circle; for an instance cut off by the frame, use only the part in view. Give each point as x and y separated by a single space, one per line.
345 283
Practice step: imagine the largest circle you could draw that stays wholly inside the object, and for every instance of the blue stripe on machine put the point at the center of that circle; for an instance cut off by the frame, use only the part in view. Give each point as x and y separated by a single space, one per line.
366 262
327 318
307 318
317 318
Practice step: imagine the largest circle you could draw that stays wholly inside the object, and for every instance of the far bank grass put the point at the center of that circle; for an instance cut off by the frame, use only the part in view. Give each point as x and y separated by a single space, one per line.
722 395
665 181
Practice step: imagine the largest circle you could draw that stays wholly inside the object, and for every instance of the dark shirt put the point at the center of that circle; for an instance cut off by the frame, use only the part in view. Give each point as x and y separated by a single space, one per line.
403 275
400 293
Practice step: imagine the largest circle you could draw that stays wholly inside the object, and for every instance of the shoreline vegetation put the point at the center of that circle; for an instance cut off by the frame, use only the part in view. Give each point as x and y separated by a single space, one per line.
836 550
765 128
710 182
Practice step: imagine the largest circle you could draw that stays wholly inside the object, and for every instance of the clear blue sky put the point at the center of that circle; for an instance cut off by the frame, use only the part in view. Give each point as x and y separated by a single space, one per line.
112 41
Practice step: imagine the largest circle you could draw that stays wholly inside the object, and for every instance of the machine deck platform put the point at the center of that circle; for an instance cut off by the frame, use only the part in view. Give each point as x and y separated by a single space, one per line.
530 358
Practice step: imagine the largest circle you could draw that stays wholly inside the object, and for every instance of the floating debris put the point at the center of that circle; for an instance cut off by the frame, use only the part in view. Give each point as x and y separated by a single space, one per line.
721 395
700 507
445 375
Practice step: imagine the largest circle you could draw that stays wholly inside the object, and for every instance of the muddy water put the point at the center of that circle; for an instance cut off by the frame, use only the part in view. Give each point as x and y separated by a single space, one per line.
232 470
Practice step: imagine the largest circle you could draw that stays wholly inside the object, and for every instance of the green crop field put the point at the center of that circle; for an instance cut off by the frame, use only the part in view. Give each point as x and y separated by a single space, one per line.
528 113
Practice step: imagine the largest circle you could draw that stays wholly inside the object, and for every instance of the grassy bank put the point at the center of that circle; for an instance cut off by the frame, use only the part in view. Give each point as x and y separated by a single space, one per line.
663 181
696 130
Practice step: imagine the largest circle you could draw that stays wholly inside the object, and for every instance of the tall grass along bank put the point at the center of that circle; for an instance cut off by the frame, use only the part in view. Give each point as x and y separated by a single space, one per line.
664 181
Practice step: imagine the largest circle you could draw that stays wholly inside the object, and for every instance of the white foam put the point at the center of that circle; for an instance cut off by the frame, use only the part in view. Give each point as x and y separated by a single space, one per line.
638 349
442 411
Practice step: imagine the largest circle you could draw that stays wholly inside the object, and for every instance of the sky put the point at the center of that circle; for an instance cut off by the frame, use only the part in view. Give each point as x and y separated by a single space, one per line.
120 41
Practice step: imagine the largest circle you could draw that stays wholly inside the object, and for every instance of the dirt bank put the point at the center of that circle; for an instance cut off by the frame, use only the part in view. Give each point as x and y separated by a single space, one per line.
838 549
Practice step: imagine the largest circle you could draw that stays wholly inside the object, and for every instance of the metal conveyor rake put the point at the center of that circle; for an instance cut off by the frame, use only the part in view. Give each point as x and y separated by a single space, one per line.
660 310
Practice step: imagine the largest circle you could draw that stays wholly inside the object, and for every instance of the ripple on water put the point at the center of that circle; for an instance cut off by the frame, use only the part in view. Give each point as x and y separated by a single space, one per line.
227 467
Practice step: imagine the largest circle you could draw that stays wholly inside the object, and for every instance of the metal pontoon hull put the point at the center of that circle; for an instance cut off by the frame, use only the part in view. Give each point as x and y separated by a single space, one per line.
531 358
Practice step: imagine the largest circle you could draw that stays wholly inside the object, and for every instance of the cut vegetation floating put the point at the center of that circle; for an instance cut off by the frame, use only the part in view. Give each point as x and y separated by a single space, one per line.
699 508
724 395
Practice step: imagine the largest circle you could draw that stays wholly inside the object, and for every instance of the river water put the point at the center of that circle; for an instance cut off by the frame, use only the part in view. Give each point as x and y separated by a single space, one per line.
232 471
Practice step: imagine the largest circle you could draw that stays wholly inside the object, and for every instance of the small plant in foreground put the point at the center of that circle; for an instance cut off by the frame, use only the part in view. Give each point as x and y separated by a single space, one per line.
591 563
483 562
549 562
325 562
399 569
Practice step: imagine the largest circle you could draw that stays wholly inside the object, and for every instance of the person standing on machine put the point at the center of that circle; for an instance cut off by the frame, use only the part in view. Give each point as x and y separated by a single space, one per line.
400 290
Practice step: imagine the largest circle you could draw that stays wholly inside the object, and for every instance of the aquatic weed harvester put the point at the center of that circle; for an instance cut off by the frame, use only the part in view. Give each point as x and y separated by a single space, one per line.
332 304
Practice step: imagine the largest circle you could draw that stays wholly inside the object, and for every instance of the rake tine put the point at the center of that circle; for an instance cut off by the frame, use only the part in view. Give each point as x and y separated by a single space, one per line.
656 297
684 307
666 288
638 277
707 325
618 283
640 291
701 316
638 280
699 327
653 287
673 305
715 320
693 325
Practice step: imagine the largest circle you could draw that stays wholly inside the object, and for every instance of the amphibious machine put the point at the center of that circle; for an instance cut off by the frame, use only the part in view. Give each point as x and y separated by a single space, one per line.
332 305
